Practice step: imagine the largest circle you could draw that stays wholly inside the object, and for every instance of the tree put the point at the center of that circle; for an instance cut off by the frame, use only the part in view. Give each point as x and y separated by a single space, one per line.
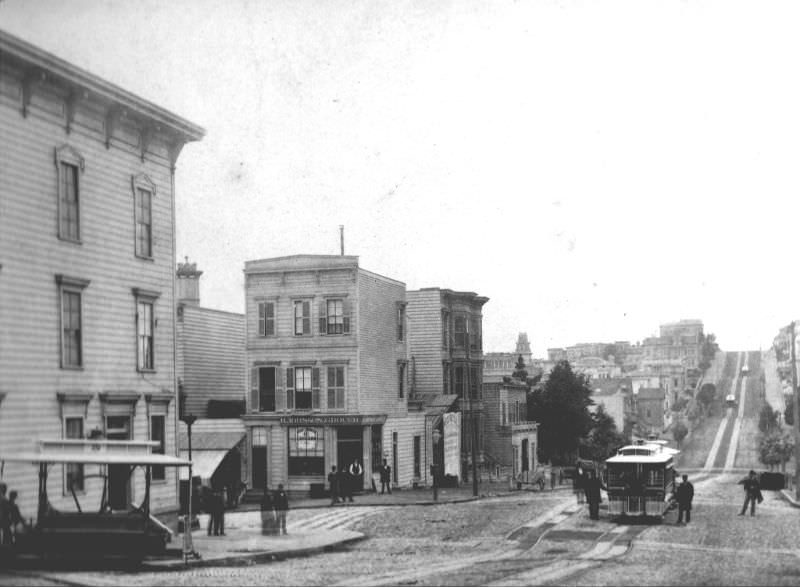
708 351
679 431
604 439
519 370
706 396
788 414
767 419
776 448
561 406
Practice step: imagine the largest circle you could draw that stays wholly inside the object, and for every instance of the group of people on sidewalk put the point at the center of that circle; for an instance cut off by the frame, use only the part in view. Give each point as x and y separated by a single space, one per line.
274 509
343 483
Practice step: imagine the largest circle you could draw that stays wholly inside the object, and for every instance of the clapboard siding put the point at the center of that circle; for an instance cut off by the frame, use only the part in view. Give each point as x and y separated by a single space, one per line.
212 350
425 339
406 428
31 255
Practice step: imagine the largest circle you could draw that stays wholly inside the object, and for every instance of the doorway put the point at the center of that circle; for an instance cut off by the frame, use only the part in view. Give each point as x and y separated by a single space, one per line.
525 459
258 461
349 447
119 476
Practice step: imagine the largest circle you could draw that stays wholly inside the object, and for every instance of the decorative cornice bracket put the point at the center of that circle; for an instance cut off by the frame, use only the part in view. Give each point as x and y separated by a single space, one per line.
32 76
73 99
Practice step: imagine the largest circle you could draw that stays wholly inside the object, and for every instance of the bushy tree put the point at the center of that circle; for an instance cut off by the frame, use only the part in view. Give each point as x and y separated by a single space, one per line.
788 414
679 431
776 448
705 396
767 419
708 351
604 439
561 407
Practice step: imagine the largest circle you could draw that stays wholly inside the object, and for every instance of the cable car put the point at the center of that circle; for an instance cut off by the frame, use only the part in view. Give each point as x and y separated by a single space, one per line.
132 533
730 400
640 480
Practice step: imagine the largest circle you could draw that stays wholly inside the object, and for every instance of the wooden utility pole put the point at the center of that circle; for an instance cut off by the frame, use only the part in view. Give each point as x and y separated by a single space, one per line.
795 418
475 452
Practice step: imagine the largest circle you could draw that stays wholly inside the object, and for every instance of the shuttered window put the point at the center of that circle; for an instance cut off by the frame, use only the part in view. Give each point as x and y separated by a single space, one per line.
302 317
144 335
72 353
69 221
302 388
335 387
144 222
266 319
334 316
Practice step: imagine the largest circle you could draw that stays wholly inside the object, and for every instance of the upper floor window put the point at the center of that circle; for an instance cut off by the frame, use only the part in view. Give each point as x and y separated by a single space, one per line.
144 190
266 318
445 329
302 388
445 377
460 331
459 380
71 294
145 329
335 387
334 316
402 376
302 317
401 320
474 383
69 163
475 334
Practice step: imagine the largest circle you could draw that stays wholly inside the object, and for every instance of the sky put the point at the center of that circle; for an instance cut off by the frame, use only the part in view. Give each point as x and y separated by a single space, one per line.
595 168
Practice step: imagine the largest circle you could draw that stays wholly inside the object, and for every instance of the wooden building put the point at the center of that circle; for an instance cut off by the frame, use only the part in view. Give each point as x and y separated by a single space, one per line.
329 376
87 249
511 439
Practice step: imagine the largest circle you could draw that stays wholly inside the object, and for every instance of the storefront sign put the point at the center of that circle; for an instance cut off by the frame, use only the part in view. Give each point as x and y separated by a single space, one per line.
323 420
306 439
452 443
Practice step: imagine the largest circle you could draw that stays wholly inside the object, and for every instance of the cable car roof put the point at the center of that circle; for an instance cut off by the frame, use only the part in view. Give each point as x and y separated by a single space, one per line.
650 452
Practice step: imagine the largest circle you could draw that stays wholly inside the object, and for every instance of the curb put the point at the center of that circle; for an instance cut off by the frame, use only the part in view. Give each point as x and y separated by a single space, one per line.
246 559
787 496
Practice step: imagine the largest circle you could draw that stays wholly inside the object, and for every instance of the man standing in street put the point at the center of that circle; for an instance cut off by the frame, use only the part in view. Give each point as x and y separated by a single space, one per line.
356 478
592 486
752 492
333 482
386 477
281 502
684 495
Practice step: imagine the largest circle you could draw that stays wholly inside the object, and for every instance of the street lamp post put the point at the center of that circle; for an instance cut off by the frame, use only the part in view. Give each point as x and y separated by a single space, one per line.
437 436
189 419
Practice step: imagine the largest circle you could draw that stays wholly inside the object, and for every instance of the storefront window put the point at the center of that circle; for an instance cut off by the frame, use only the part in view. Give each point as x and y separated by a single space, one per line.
306 451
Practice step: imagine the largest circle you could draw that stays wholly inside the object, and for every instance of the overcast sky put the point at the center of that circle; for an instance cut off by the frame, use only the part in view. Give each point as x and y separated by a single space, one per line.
594 168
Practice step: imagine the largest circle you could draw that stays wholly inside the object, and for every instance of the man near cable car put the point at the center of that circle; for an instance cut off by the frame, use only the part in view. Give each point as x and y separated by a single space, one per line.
592 486
684 495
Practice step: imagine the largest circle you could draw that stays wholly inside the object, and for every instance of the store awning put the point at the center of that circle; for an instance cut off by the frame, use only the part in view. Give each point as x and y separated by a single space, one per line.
204 463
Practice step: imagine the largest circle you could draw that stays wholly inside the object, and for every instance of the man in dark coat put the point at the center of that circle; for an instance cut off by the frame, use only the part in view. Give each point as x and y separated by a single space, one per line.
333 482
591 487
752 492
268 526
281 502
684 495
386 477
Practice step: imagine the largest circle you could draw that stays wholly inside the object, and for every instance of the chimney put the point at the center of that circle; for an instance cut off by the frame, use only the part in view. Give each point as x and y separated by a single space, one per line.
188 283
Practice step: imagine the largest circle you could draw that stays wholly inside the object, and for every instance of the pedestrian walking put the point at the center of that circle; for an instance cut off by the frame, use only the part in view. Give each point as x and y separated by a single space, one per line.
5 516
577 485
268 521
752 492
684 495
386 477
591 487
281 502
334 484
552 479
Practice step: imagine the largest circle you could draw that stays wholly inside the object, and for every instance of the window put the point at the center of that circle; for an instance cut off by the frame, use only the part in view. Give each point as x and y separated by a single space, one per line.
474 383
263 389
306 451
459 380
143 192
445 377
460 326
302 388
302 317
503 413
445 330
266 319
335 388
73 428
144 336
474 334
334 316
69 164
402 372
70 290
401 319
417 457
157 433
376 450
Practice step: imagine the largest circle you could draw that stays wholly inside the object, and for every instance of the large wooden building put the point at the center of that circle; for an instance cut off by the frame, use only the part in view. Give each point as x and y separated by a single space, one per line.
329 374
87 250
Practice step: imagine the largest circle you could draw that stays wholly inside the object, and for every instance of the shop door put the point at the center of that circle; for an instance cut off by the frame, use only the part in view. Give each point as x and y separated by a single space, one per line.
259 467
119 476
525 459
349 447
